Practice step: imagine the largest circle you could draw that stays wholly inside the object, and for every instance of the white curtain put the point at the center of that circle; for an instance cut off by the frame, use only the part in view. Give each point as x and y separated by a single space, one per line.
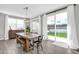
44 26
72 33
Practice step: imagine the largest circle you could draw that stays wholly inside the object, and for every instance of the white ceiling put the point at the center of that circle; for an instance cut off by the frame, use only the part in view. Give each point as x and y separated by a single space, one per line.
33 9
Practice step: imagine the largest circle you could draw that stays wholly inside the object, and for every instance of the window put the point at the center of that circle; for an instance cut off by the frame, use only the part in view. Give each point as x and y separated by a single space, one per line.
20 24
51 20
11 23
61 18
15 24
36 25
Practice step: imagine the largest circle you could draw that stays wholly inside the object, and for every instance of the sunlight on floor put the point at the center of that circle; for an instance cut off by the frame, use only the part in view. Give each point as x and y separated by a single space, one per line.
62 42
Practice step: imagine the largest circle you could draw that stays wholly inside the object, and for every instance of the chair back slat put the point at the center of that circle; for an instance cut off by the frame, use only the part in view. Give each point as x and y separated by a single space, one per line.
40 38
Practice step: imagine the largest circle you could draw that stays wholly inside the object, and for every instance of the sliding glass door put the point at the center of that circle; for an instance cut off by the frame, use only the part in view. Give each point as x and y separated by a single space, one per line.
57 27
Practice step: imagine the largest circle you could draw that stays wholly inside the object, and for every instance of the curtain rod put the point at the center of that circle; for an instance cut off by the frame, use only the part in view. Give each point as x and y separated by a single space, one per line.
55 10
59 9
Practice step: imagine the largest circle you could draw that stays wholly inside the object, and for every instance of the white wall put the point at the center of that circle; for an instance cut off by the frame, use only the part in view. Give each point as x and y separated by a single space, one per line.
2 26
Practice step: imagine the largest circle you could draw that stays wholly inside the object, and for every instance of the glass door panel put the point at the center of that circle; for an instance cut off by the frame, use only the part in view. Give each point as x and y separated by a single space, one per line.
61 27
51 27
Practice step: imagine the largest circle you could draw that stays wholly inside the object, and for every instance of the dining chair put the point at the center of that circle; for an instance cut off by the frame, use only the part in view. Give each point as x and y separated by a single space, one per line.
34 32
38 42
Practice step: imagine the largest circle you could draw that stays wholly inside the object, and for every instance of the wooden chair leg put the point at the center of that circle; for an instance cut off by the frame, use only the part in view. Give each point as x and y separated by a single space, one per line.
33 46
37 48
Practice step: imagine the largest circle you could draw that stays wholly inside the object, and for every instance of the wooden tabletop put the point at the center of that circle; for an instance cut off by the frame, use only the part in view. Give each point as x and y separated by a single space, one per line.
28 35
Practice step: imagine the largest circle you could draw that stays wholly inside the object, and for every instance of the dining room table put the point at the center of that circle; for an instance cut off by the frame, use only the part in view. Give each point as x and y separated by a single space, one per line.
27 38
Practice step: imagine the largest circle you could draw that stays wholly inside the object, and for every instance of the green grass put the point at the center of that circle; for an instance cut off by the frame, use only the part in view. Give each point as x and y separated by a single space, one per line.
62 35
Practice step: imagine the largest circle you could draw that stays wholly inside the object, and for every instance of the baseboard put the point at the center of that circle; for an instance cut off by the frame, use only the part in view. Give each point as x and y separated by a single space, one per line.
2 38
6 38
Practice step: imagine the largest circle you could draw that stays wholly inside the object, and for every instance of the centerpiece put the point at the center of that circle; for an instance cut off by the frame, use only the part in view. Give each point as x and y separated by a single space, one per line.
27 29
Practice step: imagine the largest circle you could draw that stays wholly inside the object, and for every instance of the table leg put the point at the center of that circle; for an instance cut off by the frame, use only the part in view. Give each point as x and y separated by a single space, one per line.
27 45
16 39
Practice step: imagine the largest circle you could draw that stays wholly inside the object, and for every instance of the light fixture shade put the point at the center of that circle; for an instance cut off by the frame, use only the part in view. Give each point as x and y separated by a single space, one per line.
26 11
